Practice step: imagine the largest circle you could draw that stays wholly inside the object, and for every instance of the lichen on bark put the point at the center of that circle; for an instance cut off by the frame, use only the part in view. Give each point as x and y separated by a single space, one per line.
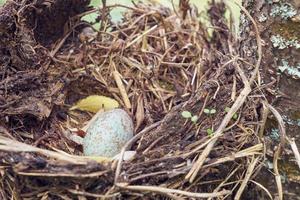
279 25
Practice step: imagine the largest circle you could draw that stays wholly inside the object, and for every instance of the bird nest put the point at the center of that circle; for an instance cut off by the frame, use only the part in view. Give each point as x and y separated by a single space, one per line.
169 63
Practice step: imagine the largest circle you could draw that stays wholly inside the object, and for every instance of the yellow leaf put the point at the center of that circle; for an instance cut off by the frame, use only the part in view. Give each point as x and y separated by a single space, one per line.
94 103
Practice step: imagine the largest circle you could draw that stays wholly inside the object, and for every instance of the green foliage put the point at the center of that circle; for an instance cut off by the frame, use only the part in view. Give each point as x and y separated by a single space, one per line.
209 111
116 13
210 132
227 109
235 116
194 119
91 18
188 115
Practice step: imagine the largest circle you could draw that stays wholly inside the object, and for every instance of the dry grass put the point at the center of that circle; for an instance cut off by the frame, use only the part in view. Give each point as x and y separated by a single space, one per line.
156 63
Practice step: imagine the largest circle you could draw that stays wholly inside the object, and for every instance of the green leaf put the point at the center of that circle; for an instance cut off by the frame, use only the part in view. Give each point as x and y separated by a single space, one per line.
213 111
91 18
235 116
210 132
207 111
186 114
194 118
227 109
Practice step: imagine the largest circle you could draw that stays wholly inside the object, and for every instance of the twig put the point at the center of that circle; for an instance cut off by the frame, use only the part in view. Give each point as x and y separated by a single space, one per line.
128 145
58 174
140 36
276 172
281 125
15 146
153 144
6 132
263 121
167 191
218 88
122 89
263 188
225 180
295 150
60 44
233 93
246 179
62 41
251 151
142 176
283 138
88 194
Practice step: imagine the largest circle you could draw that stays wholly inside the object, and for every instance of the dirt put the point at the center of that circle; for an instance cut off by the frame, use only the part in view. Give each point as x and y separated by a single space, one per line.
31 84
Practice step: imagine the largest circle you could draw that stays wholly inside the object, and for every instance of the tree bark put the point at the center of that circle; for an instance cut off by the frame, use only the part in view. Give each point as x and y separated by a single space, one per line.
279 25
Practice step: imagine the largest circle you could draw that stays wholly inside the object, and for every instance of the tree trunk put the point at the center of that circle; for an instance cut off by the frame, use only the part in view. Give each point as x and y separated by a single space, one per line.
279 26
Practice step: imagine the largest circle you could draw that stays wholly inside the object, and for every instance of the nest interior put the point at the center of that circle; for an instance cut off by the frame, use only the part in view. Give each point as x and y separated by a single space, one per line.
168 61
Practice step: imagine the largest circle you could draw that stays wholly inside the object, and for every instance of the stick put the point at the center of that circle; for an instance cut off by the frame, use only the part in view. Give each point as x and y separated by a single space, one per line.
276 171
246 179
295 150
281 125
140 36
128 145
122 89
168 191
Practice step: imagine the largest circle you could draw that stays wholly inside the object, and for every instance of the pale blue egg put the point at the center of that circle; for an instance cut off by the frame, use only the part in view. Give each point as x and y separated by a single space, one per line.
108 134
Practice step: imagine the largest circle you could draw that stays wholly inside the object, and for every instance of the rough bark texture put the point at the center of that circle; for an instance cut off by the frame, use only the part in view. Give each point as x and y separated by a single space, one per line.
279 25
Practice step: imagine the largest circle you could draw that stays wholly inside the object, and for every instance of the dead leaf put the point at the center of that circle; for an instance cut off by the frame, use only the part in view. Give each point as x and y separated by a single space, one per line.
140 114
94 103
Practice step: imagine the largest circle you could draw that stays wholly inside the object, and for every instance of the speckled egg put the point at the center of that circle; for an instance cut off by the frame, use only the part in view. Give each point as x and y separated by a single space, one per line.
108 133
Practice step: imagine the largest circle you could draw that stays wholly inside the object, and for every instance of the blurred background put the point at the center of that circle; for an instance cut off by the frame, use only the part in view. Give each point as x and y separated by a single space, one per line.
201 5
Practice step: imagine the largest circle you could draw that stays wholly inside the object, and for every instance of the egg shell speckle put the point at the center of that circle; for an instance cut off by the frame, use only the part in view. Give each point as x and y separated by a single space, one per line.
108 134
